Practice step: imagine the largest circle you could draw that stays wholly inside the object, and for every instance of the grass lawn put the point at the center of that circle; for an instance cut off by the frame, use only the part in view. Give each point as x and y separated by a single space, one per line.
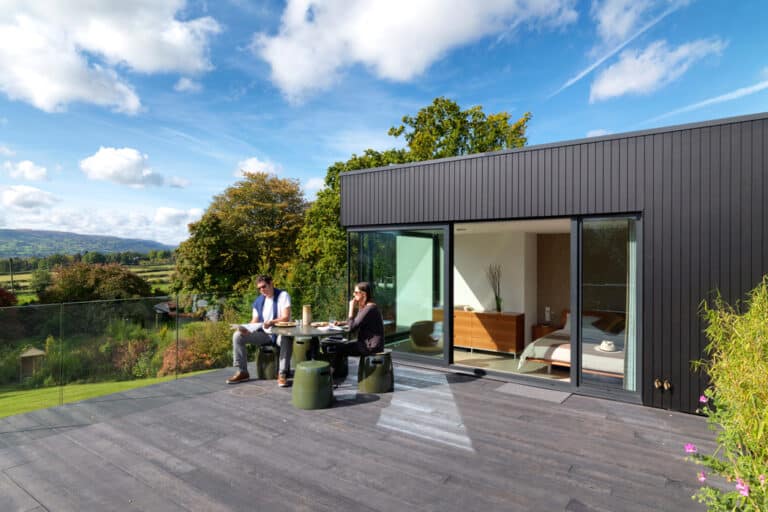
18 401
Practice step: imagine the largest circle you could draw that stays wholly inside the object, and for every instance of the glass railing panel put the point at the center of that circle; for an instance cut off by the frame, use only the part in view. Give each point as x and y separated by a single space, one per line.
79 351
27 336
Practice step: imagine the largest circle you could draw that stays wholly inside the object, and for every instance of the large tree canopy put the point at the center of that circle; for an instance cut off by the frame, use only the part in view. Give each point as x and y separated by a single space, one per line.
249 228
442 130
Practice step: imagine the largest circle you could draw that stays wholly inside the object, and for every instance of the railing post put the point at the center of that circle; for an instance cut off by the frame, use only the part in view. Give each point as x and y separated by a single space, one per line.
61 353
176 369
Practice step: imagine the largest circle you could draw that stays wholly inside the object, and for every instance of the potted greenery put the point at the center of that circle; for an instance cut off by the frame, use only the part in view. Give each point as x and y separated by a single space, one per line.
494 278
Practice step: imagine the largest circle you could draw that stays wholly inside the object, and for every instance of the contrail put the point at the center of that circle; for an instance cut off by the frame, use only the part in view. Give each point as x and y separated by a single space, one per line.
613 52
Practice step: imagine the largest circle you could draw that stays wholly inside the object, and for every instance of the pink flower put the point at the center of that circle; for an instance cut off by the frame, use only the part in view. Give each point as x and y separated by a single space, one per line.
701 476
762 479
690 448
703 399
742 487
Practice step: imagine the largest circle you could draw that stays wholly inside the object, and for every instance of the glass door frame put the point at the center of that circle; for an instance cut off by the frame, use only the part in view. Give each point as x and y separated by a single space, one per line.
577 383
447 285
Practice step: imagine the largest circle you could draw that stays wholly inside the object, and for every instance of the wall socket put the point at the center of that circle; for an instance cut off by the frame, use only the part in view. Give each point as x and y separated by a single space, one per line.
547 314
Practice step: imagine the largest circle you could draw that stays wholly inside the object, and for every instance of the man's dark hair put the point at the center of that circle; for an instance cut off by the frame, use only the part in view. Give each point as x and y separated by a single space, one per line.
264 278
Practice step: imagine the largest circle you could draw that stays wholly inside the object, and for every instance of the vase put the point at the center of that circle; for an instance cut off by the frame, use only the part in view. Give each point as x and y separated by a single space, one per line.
498 304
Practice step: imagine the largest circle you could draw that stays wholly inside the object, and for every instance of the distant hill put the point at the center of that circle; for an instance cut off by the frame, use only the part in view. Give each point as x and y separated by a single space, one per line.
19 243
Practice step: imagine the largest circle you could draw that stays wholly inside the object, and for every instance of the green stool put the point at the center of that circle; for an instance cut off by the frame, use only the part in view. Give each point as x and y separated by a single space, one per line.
375 373
300 351
312 385
266 362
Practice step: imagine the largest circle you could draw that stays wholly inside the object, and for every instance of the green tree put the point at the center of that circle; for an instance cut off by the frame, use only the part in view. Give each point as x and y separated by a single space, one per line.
84 281
94 257
40 280
250 228
439 130
443 129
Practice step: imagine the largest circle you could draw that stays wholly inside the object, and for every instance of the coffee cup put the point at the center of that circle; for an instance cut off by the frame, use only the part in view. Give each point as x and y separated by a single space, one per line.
607 346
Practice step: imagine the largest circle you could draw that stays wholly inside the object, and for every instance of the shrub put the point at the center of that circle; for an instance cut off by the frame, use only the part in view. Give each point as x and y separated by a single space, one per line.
202 345
7 298
736 403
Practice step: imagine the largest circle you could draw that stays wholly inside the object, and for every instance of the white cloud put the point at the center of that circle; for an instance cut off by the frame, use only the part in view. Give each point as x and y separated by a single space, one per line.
26 170
6 151
174 217
253 164
177 182
66 52
395 39
187 85
314 184
597 133
122 222
24 197
125 166
628 18
643 72
618 19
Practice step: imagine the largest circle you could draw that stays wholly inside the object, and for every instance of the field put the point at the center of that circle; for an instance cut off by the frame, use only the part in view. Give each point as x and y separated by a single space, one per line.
159 276
18 401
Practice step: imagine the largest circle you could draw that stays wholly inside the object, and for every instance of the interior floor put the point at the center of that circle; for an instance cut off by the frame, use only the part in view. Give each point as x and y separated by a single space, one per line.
495 361
507 363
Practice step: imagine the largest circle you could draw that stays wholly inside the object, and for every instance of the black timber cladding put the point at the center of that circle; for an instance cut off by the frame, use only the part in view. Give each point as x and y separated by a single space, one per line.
699 189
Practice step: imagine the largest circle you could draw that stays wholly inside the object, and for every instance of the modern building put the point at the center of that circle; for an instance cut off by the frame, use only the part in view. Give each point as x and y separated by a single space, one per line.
632 231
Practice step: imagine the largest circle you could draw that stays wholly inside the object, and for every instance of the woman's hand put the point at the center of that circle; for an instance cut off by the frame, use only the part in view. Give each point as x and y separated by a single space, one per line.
352 304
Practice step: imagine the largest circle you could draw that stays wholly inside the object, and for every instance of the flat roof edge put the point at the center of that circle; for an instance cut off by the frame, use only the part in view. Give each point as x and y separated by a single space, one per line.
573 142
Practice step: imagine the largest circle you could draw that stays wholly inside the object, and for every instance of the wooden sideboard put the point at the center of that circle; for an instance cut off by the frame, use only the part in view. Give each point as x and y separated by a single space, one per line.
497 332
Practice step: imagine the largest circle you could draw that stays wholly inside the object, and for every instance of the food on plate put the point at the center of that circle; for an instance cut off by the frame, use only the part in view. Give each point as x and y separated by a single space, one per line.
319 324
285 324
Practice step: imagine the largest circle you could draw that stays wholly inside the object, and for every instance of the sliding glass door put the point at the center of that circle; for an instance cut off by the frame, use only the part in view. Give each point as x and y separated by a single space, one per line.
608 294
406 268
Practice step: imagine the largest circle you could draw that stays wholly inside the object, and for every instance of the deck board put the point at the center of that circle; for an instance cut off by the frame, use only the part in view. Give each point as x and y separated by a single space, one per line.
441 442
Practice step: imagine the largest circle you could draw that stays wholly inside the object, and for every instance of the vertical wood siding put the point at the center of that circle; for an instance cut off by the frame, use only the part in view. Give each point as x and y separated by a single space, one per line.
701 192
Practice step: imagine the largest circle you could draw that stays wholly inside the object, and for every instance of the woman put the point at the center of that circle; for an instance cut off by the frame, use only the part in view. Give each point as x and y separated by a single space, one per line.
368 323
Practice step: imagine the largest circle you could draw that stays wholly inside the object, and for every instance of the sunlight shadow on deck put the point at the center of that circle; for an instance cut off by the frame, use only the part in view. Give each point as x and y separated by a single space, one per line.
423 406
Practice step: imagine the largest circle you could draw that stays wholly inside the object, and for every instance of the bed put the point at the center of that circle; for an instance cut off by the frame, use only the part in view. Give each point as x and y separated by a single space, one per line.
554 349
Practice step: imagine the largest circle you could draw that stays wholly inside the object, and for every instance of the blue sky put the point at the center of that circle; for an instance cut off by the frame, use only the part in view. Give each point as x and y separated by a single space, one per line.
126 118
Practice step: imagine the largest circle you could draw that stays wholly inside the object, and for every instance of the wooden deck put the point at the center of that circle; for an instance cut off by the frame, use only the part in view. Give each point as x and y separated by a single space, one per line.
441 442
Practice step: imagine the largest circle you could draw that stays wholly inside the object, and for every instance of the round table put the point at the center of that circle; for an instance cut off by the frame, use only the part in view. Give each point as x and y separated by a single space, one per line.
328 349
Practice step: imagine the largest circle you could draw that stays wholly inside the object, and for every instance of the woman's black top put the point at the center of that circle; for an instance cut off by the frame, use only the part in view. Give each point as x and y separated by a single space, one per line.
370 330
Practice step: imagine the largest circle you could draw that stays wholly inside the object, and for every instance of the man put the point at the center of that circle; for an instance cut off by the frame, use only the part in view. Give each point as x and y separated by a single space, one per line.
270 307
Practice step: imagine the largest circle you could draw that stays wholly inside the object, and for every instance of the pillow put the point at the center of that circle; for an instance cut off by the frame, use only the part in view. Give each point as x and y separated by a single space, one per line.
585 320
611 323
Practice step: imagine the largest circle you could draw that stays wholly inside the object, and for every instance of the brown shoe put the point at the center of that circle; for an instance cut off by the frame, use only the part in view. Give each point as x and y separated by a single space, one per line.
240 376
282 380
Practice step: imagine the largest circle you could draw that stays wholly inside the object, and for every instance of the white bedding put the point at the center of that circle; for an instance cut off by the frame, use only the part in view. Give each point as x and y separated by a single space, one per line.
556 347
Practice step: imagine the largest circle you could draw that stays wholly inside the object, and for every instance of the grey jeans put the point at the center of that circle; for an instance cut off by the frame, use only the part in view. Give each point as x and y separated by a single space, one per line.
240 354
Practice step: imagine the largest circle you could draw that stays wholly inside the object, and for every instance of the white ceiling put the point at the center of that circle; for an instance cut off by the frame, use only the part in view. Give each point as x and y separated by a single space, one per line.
526 226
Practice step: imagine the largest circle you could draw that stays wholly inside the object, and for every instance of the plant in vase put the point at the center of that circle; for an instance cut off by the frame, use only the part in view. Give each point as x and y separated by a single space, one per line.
494 278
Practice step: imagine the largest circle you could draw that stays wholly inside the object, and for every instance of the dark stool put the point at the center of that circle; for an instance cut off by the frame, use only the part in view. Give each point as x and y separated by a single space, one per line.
375 373
266 362
301 351
336 358
312 386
